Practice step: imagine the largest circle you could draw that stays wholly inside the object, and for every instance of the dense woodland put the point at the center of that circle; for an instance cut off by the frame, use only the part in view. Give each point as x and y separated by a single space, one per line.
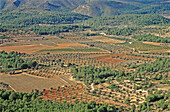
20 20
12 61
54 30
160 65
130 20
122 31
90 74
152 38
52 23
126 25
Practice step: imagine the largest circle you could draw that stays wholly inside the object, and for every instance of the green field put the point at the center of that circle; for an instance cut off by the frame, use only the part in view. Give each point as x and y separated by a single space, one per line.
144 47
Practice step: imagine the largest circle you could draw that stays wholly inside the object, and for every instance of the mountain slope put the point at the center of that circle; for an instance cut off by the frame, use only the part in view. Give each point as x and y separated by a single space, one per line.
118 7
92 8
49 6
104 8
44 4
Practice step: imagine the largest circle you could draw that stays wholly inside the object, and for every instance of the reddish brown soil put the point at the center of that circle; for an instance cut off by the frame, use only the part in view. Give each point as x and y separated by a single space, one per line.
79 92
152 43
109 58
26 48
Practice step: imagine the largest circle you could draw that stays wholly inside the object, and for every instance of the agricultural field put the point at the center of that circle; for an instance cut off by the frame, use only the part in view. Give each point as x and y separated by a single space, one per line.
105 39
55 79
32 82
148 48
101 64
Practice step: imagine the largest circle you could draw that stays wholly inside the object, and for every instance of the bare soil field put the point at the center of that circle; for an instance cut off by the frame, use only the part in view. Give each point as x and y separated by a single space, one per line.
27 83
68 45
159 51
105 39
152 43
37 47
109 58
26 48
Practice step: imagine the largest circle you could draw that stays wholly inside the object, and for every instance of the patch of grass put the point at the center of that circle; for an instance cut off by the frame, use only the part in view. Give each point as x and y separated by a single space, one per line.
144 47
71 50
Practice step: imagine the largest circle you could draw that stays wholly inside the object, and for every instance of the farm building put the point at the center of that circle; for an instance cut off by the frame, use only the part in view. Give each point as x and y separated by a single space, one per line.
102 33
130 42
137 79
144 83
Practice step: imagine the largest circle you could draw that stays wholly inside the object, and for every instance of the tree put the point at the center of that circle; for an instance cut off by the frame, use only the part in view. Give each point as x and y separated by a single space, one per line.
62 64
24 66
76 101
133 107
127 101
5 95
159 77
69 64
112 108
33 97
102 109
144 106
120 109
25 98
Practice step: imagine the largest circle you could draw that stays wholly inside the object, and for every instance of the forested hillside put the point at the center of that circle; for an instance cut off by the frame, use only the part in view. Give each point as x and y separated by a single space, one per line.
130 20
19 20
46 23
126 24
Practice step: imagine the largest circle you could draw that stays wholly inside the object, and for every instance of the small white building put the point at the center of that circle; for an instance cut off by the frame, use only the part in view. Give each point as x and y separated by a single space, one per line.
130 42
102 33
144 91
